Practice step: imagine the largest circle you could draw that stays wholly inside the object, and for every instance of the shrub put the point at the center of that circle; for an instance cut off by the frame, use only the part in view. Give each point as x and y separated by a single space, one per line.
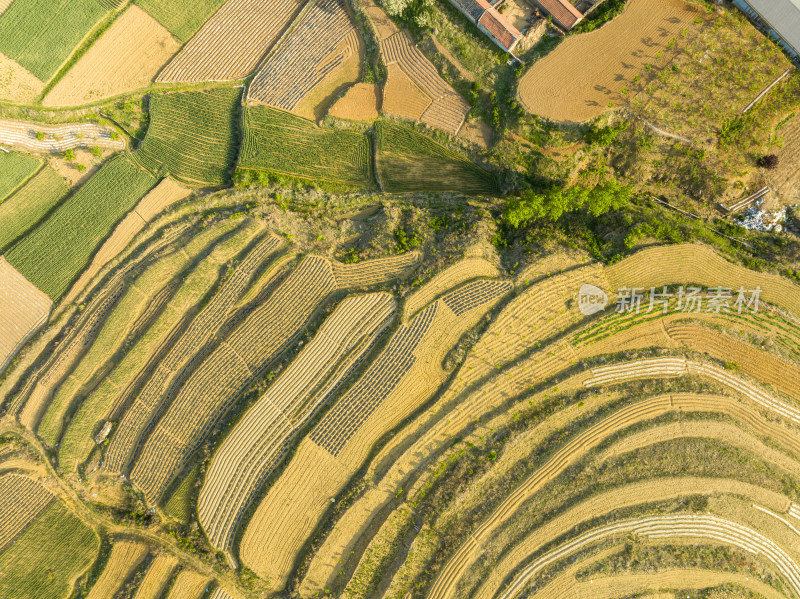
769 161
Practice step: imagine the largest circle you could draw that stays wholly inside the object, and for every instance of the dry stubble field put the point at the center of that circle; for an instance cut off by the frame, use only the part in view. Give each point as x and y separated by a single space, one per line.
585 75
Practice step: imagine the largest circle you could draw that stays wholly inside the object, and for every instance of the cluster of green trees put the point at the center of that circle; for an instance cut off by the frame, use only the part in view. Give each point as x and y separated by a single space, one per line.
553 202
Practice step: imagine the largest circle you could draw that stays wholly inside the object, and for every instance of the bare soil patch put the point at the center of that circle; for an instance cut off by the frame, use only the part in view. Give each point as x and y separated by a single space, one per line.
17 84
401 97
127 57
478 133
360 103
586 74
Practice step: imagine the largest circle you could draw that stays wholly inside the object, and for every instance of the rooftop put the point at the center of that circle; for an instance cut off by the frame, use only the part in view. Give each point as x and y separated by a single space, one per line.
503 31
562 12
783 16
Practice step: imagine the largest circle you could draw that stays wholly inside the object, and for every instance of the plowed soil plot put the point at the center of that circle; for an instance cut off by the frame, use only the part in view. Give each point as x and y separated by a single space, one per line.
577 81
17 83
232 43
125 58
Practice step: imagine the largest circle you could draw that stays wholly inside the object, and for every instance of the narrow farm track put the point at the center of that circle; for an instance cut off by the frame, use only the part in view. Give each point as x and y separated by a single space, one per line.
40 137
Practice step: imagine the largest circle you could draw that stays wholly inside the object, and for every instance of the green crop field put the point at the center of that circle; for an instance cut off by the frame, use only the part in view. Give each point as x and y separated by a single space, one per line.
409 161
56 252
43 560
193 135
30 204
280 142
41 34
182 18
180 504
15 169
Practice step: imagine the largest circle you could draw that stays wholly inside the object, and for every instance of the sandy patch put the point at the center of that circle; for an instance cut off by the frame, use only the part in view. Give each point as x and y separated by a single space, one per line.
584 76
478 133
23 308
17 84
360 103
127 57
401 97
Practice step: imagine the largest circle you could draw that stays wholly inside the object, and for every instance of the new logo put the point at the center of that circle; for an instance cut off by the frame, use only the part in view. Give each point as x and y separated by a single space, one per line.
591 299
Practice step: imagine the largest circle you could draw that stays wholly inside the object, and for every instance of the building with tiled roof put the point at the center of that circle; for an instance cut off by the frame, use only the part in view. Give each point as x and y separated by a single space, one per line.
490 22
564 14
497 27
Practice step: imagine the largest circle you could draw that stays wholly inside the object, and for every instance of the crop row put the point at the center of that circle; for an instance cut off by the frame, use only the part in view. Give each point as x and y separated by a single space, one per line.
54 253
217 382
252 449
148 403
21 500
280 142
192 135
408 161
303 58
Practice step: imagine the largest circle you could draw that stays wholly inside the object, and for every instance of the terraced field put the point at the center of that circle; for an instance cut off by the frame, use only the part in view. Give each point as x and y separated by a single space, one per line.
279 142
372 429
192 136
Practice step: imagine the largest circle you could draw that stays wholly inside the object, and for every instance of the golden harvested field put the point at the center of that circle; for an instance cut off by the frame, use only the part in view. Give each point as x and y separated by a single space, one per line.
232 43
17 84
584 76
124 559
446 110
359 103
189 585
157 577
22 499
24 310
401 97
127 57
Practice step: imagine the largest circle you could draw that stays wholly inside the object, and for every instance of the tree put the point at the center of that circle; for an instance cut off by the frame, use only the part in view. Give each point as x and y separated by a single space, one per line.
69 155
769 162
555 201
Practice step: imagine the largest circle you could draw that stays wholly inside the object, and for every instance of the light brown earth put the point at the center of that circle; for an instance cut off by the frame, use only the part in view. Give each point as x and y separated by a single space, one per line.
478 133
383 25
316 104
580 78
359 103
401 97
125 58
24 309
17 84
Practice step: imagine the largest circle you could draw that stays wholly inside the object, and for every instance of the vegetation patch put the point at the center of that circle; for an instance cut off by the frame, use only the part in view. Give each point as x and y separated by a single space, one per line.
41 34
15 169
192 136
280 142
408 161
55 549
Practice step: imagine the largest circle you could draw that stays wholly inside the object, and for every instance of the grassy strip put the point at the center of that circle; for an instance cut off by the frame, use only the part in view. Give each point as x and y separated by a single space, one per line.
602 15
50 553
192 136
277 141
41 34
